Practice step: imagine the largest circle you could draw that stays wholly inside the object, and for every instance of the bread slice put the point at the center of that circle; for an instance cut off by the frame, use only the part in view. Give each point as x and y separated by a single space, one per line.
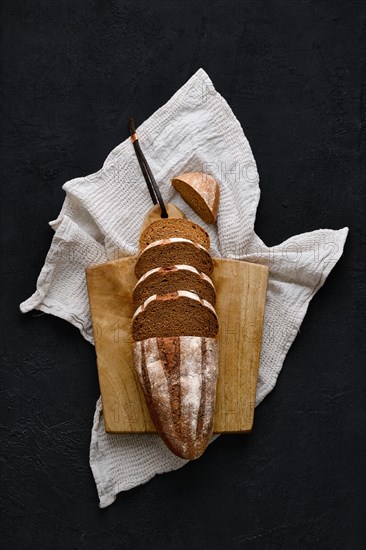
162 280
201 191
168 252
178 376
165 228
155 214
180 313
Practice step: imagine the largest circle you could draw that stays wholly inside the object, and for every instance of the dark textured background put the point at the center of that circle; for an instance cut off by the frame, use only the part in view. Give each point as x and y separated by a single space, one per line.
72 73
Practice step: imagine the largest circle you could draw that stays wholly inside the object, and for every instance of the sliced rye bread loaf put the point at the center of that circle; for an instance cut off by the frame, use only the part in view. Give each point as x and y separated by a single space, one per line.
162 280
201 191
173 251
178 376
173 227
180 313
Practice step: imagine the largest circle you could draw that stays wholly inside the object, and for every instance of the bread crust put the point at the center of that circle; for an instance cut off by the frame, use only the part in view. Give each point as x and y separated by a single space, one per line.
201 191
178 376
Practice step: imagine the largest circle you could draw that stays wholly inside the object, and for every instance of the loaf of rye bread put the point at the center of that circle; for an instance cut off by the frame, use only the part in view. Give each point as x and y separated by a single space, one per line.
167 228
162 280
201 191
173 251
178 375
174 328
180 313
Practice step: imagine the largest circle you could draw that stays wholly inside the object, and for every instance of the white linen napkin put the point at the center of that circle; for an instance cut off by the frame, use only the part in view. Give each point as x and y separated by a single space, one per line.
100 220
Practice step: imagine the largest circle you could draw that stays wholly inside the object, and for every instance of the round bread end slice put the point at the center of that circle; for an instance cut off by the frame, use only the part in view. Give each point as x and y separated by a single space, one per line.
201 191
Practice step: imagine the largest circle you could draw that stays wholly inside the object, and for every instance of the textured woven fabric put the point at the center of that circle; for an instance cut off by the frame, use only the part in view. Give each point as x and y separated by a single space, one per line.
101 218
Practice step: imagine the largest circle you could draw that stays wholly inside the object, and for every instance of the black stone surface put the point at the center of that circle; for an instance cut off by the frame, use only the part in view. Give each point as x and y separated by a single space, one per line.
293 72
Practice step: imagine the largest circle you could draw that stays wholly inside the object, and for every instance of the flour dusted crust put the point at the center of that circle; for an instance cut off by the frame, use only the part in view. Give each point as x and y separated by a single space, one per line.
179 375
172 251
161 280
201 191
174 314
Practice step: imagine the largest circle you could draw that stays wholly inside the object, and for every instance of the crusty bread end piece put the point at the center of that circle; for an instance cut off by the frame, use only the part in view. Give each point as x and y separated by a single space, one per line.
201 191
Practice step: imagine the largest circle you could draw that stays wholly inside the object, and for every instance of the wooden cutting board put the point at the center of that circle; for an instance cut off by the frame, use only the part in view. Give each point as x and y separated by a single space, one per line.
241 295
